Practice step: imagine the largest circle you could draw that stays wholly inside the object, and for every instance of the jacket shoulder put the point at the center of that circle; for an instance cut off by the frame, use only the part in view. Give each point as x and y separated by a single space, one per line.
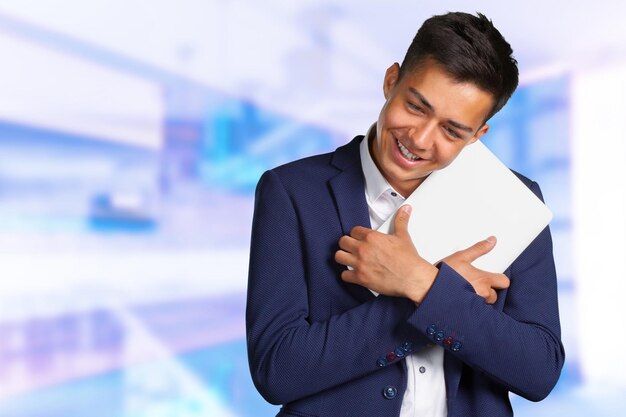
532 185
319 168
309 163
527 181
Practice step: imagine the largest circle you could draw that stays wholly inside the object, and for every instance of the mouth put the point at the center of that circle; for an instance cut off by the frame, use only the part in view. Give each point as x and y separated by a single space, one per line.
406 153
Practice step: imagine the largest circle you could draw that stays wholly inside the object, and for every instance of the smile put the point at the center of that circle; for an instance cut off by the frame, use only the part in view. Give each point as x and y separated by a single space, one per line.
407 154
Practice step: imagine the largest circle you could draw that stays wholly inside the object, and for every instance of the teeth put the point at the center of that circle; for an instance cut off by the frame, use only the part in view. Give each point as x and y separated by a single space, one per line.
406 152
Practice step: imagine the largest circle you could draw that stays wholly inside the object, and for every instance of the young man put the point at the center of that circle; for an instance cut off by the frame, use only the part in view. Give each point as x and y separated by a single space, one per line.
394 335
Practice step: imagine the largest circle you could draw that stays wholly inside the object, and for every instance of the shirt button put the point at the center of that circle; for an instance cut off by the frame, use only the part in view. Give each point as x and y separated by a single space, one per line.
390 392
393 194
422 369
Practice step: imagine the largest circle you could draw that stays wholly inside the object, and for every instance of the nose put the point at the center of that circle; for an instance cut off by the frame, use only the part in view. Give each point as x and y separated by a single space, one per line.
422 137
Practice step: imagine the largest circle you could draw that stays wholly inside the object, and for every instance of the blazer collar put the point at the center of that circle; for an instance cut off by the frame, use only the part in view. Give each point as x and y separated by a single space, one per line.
348 189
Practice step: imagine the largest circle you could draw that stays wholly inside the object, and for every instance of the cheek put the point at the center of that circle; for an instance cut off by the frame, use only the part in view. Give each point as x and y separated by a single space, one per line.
394 115
447 152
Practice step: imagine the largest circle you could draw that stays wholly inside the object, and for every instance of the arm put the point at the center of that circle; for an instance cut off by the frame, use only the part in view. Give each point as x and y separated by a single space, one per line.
518 347
290 356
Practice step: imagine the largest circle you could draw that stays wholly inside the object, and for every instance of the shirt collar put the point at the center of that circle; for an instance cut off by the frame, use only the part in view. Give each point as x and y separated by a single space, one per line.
375 183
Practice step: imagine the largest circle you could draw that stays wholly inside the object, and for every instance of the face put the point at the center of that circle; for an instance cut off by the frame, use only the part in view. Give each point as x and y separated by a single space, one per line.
427 119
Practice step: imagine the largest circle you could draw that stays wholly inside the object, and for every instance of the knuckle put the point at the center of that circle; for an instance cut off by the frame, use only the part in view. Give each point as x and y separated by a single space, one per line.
369 237
402 216
482 246
362 251
356 232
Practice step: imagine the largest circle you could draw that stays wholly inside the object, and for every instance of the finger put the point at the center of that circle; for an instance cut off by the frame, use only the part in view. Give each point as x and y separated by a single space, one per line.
345 258
500 281
478 249
492 298
348 276
401 221
359 232
348 243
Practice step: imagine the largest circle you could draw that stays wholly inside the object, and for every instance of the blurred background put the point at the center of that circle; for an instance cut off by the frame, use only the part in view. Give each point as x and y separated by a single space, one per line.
132 134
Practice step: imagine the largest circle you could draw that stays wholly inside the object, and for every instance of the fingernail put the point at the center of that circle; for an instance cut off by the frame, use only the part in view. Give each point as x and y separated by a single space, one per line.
406 209
491 239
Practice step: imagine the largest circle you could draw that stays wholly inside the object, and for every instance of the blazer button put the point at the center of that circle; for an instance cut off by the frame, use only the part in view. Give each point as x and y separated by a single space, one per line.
456 346
391 356
399 352
407 347
448 341
390 392
439 336
381 362
430 330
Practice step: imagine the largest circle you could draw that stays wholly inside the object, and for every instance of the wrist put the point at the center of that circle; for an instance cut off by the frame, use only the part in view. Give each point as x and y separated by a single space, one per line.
424 279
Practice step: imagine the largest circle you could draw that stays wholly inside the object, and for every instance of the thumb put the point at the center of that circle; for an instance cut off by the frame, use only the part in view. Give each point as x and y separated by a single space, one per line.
479 249
401 221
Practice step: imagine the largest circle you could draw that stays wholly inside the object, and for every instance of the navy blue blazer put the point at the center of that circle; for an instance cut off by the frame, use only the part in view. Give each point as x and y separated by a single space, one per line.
326 348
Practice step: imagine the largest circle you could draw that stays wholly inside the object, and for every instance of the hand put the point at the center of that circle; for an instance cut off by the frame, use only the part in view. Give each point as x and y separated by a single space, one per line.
484 283
388 264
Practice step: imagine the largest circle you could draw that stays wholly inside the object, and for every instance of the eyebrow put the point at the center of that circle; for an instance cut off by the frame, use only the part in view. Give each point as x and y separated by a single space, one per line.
430 107
421 98
460 126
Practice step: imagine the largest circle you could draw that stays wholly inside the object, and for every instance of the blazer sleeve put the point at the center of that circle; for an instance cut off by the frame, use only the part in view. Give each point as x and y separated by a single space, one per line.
518 346
291 357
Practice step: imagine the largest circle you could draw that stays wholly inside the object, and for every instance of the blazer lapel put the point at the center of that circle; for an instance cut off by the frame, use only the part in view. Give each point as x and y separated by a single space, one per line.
348 189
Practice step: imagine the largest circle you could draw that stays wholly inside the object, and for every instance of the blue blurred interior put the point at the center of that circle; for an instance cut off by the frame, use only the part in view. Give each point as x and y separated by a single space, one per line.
184 355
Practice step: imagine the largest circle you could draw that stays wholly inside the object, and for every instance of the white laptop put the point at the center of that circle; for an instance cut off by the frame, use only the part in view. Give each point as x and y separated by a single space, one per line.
473 198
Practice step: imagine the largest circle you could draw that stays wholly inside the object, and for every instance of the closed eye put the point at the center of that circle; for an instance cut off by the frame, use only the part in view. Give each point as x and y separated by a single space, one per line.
415 107
452 133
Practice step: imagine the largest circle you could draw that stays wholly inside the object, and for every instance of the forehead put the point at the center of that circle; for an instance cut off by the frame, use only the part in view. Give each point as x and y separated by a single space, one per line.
463 101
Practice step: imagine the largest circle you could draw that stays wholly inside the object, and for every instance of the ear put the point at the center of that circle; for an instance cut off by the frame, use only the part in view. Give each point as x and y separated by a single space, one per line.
392 75
483 130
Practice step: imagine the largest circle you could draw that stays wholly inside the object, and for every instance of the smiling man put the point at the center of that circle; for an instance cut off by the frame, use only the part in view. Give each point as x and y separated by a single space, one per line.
427 119
345 321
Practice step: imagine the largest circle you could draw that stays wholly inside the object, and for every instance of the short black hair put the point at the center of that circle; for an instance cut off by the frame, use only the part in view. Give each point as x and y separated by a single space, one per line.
470 49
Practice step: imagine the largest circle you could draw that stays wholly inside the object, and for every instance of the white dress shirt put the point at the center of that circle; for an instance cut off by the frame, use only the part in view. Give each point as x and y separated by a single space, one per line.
425 394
